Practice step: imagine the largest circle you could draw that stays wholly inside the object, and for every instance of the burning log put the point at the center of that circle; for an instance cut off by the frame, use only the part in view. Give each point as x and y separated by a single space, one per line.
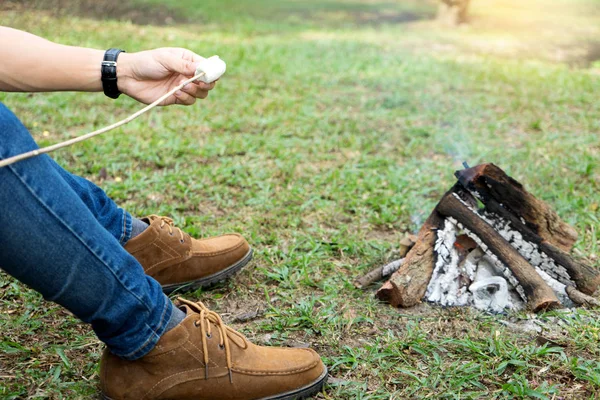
539 295
407 286
490 183
586 278
521 251
532 218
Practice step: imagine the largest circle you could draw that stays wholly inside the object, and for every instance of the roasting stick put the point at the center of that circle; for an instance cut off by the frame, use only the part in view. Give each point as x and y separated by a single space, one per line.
214 66
70 142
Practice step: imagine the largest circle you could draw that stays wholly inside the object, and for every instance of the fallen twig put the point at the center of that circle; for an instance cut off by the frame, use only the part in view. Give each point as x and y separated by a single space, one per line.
378 274
582 299
386 270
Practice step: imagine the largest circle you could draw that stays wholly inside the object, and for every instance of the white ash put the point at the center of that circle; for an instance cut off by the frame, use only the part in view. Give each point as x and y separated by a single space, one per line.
490 291
530 251
445 285
472 261
494 259
523 221
523 326
489 268
490 294
475 194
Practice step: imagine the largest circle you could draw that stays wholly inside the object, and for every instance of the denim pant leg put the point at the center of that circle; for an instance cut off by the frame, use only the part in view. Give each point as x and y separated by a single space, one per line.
113 218
50 241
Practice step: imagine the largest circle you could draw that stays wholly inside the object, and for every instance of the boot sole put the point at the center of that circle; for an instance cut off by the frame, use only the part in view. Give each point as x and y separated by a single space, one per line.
302 393
211 280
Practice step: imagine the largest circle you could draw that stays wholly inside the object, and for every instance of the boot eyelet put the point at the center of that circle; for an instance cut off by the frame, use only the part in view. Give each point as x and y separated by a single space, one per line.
222 346
170 233
209 335
181 241
196 324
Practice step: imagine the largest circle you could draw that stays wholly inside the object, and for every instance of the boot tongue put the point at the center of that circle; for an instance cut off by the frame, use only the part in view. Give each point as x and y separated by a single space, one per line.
157 218
190 307
151 218
187 310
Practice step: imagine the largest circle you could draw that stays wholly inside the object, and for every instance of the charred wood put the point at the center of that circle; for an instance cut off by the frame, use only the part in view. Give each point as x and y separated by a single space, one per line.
539 295
489 182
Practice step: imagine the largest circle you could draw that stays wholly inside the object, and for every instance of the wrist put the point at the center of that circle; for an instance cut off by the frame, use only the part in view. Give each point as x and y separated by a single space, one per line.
110 67
125 71
83 74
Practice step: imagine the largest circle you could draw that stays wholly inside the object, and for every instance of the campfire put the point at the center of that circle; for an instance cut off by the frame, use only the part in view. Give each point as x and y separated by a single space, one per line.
491 244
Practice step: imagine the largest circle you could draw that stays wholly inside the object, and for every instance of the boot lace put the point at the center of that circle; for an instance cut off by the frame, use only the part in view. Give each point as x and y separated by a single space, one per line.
205 321
168 222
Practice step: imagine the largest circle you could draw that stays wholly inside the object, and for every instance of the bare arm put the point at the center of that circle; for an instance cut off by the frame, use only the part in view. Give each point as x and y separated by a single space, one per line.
29 63
32 64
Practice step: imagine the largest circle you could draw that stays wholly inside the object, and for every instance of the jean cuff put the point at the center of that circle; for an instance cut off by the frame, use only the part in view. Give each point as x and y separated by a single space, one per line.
127 228
153 333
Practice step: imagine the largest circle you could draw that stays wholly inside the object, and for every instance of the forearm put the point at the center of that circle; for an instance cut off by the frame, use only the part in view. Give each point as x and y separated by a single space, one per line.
29 63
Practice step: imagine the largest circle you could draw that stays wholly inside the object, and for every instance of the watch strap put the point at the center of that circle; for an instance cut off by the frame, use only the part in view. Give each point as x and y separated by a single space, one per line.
109 73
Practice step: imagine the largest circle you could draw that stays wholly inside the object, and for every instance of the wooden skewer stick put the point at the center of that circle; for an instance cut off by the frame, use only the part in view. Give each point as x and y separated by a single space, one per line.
70 142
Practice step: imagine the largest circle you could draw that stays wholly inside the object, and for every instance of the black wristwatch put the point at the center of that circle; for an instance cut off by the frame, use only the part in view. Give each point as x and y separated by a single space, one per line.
109 73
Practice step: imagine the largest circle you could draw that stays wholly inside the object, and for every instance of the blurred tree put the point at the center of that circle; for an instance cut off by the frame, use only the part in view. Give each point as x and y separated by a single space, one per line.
453 12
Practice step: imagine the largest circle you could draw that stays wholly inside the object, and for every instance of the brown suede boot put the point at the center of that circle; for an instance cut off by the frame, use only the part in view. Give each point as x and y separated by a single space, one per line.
202 359
178 261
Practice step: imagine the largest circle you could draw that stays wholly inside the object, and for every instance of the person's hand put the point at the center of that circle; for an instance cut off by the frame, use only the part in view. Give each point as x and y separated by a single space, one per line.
147 75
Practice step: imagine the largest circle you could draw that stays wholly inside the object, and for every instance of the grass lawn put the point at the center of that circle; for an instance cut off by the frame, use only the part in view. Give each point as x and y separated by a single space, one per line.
334 132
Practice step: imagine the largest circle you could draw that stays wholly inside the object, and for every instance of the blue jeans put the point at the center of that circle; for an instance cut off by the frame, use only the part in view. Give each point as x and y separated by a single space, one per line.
62 236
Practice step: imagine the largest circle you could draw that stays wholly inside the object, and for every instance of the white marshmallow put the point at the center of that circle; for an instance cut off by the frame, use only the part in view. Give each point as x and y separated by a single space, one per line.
213 67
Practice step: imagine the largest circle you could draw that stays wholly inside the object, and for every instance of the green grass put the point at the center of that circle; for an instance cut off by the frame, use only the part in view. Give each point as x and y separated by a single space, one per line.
335 131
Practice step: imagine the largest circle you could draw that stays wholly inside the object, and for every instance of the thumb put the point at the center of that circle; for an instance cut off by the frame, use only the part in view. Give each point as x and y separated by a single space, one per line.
177 64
